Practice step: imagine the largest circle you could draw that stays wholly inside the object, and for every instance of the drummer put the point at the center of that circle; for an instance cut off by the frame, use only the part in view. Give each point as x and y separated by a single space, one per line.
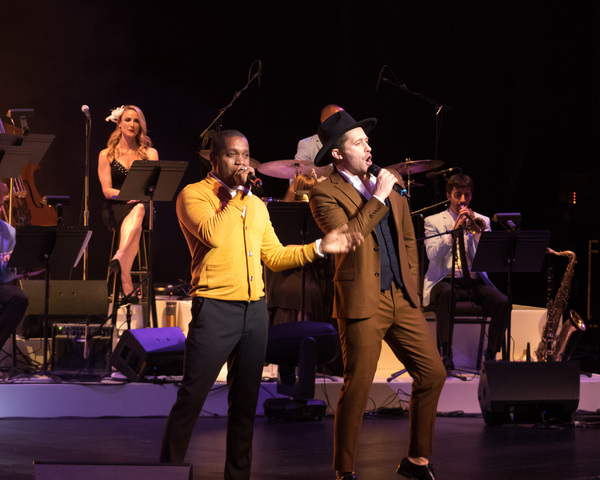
309 146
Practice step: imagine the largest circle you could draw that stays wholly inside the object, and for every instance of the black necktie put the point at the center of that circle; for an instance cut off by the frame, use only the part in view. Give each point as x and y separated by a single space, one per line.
463 255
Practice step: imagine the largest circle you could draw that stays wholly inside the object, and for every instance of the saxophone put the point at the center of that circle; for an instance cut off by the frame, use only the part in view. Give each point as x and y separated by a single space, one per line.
552 346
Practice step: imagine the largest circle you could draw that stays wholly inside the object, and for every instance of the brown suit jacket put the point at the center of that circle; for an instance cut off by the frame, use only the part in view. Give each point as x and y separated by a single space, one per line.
335 202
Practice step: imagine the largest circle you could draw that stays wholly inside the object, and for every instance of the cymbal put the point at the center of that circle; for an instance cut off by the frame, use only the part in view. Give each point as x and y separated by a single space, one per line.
416 166
291 168
205 154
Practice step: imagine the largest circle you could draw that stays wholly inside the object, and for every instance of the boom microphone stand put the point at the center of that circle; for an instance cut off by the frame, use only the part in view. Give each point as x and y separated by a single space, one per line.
439 106
205 134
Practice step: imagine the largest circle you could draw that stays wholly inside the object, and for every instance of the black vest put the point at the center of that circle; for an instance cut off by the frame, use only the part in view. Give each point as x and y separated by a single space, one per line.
387 238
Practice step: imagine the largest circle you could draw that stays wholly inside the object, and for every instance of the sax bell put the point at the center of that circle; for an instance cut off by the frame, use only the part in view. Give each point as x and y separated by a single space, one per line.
568 337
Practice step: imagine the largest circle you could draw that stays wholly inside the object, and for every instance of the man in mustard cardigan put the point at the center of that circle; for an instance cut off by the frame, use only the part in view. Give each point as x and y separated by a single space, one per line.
375 292
228 232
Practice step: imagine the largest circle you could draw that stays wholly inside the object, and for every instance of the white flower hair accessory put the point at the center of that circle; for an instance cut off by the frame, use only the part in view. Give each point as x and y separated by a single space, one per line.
115 114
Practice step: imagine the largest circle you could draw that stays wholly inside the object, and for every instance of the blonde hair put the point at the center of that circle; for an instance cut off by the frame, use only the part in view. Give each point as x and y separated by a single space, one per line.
142 139
298 189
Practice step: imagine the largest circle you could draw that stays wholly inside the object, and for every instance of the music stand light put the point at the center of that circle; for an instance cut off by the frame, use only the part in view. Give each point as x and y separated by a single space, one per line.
510 221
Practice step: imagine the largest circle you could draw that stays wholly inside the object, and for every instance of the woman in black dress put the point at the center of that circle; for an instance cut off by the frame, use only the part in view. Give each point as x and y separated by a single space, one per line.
128 143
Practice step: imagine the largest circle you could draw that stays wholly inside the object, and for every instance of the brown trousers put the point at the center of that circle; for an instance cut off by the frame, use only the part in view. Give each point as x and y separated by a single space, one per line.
405 330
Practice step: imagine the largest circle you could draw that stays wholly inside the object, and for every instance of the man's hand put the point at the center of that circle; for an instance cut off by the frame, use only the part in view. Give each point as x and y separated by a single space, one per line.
384 184
341 240
241 174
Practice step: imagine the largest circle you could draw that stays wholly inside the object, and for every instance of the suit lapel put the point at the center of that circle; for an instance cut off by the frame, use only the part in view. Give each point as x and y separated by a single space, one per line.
347 189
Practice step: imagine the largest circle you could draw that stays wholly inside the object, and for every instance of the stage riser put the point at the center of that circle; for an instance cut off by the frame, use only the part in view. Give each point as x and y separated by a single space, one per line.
145 399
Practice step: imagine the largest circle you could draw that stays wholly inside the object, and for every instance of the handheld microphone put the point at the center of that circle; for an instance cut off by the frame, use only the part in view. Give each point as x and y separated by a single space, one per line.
431 175
255 184
86 110
254 180
375 169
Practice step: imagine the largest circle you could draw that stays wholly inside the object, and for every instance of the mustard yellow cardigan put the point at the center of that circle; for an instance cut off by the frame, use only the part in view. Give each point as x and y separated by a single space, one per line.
228 237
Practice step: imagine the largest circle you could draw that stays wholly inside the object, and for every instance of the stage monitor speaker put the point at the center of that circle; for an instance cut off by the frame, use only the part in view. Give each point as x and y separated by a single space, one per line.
117 471
149 352
528 392
70 301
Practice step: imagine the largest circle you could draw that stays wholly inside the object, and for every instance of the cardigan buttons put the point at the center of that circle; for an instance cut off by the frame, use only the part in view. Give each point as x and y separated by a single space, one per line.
376 274
249 254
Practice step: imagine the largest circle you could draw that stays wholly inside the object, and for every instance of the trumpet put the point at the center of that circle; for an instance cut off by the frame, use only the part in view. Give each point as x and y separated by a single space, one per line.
469 222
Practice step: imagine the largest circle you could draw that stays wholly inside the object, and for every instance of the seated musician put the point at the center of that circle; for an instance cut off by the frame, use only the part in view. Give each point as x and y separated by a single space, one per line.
13 302
471 286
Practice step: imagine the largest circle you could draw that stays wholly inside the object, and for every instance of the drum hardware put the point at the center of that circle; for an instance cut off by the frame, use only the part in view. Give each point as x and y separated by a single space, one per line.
410 167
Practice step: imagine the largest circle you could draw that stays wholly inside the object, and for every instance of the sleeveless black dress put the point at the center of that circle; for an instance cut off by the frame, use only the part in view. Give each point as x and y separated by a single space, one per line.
115 211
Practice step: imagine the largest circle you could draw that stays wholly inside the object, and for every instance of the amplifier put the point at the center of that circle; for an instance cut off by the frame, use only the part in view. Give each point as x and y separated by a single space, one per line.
81 349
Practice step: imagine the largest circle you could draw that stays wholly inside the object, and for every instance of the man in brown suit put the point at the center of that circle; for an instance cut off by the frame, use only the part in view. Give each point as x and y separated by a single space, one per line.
375 292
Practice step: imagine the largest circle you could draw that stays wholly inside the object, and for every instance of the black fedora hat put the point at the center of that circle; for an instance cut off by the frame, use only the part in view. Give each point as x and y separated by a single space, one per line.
333 128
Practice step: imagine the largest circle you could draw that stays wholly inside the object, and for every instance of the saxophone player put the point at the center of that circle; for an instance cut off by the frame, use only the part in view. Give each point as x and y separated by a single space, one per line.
469 286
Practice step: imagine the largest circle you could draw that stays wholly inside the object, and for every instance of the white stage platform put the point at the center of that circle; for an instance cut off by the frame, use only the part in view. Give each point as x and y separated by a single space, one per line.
112 398
35 397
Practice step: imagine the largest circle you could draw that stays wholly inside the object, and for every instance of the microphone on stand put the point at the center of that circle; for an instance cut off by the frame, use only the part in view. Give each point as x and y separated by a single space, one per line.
375 169
86 110
431 175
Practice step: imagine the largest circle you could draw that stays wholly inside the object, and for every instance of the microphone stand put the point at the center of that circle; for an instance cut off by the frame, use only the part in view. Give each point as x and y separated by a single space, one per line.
432 101
418 212
86 190
235 97
452 302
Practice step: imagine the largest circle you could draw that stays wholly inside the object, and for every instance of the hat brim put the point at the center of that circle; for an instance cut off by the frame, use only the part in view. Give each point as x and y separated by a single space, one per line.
324 154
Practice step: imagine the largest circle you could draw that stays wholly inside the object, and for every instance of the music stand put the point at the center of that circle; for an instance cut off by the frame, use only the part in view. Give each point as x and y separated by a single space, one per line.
151 181
40 247
511 252
294 225
17 151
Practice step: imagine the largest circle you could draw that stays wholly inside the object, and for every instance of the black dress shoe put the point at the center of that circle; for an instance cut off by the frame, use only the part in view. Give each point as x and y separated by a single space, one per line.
345 476
416 472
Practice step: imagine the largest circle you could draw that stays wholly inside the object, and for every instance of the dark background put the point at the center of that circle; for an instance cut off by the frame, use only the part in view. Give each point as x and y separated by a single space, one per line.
520 78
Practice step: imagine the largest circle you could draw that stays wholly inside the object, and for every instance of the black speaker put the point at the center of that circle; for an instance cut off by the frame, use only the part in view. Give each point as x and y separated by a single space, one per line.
146 352
70 301
117 471
528 392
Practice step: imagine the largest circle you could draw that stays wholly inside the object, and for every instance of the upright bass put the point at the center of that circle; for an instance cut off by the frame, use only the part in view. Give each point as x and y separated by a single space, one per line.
28 206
